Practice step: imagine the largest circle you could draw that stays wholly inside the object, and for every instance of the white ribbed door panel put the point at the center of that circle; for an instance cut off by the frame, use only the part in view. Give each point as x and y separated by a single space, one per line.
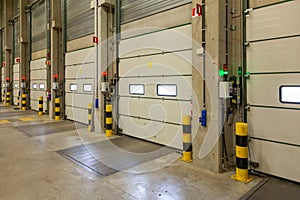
80 73
38 83
273 33
159 65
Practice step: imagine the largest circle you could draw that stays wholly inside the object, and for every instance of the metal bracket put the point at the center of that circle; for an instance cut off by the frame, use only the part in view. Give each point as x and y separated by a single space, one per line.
247 11
233 27
247 107
27 9
247 44
247 76
233 10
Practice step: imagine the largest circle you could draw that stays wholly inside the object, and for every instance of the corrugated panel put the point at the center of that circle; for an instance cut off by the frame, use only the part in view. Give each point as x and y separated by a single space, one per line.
80 19
135 9
15 5
1 47
39 27
16 39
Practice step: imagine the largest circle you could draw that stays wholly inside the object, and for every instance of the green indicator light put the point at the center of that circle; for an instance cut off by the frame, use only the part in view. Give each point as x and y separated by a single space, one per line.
240 70
248 73
225 72
221 73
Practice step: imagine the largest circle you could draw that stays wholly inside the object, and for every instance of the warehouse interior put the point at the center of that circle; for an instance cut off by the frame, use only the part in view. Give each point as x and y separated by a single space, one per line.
149 99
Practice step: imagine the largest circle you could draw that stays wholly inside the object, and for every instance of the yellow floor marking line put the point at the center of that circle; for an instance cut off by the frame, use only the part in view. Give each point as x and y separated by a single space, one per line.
26 119
4 121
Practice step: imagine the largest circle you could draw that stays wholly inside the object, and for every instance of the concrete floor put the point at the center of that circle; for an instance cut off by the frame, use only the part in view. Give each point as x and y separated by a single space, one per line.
31 169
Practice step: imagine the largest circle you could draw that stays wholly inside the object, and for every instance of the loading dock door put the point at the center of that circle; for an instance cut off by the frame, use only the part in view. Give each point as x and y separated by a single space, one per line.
38 67
155 85
38 83
79 86
273 61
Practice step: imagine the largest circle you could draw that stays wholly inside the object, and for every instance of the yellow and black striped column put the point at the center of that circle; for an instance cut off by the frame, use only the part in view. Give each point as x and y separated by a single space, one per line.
18 102
57 109
241 149
3 98
8 98
187 139
41 103
108 120
23 101
90 107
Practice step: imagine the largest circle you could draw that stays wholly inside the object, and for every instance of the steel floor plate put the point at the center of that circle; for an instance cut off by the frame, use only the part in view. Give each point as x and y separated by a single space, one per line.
49 128
274 188
110 156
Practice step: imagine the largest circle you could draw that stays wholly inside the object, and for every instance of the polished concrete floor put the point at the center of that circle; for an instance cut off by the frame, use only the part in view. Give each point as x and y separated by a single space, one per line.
33 167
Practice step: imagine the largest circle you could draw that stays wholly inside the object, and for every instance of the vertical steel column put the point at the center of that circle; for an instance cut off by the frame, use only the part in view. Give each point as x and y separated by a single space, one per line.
118 38
244 65
57 57
24 50
1 60
8 46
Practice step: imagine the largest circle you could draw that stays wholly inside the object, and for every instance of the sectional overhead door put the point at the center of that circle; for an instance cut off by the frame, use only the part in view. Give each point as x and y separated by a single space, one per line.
38 67
80 73
273 90
155 85
38 74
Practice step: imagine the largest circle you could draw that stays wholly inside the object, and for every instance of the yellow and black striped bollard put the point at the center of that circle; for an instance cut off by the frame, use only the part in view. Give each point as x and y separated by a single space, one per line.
18 102
187 139
241 149
108 120
24 101
41 109
57 109
8 99
90 107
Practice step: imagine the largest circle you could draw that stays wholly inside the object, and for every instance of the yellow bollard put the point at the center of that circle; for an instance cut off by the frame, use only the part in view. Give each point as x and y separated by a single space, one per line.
41 110
18 102
108 120
24 101
187 139
57 109
8 99
90 107
242 153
